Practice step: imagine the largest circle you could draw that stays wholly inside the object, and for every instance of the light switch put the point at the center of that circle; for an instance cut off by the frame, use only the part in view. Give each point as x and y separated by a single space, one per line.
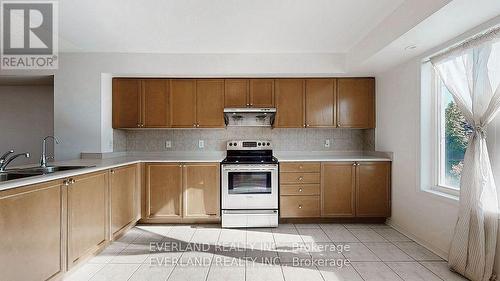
327 143
201 143
168 144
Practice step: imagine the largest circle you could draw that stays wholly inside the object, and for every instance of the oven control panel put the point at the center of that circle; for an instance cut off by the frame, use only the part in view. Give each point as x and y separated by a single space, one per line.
249 145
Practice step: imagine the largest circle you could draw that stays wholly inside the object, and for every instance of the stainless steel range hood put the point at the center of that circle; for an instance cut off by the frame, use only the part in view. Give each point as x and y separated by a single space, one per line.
249 117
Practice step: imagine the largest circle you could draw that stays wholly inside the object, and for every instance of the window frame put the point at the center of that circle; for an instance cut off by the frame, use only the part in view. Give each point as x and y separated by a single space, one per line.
439 143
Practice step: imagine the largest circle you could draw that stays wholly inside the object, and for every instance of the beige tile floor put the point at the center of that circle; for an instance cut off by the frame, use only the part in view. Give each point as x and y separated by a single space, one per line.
303 252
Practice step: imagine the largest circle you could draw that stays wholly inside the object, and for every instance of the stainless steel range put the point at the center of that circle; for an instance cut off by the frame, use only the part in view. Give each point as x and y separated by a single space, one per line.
249 185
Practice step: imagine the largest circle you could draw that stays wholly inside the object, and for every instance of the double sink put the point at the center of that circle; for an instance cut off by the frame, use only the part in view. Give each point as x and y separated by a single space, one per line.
35 171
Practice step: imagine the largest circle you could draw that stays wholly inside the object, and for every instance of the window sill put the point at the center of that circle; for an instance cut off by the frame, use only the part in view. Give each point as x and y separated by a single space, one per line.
434 191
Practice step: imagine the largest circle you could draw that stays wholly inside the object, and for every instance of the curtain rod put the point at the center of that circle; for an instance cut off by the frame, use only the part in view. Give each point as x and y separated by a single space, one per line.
486 36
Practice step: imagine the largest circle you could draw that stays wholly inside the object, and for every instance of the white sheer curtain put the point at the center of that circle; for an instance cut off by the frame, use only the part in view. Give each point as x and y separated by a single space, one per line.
471 72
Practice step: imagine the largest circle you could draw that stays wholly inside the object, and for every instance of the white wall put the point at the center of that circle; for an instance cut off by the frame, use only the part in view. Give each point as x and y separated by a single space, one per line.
26 117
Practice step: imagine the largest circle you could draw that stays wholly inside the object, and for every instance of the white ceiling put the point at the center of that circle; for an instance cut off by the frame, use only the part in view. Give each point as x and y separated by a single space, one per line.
219 26
367 35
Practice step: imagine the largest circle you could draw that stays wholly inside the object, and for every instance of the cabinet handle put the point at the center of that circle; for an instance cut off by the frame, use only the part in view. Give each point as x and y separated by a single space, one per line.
300 206
248 104
71 181
112 172
65 182
251 104
354 164
301 178
300 189
301 167
194 125
138 125
304 125
197 125
212 214
307 125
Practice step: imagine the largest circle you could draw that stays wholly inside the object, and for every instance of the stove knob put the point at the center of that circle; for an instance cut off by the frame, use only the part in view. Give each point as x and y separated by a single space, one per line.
230 144
258 144
234 144
268 144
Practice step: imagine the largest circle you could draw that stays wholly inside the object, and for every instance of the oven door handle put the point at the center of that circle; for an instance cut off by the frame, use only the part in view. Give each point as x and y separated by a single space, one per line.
250 169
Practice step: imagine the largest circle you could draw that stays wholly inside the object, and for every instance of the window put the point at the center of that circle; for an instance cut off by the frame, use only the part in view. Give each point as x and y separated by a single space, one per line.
453 138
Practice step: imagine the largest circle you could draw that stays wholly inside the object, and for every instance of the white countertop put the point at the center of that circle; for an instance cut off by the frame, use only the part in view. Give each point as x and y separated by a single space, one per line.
187 157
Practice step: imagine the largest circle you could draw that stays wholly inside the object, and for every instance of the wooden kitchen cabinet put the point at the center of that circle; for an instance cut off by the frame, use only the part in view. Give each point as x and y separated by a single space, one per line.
201 190
261 93
299 206
356 102
140 103
31 227
124 197
155 107
183 103
164 190
289 103
87 215
236 93
127 95
373 189
338 189
320 102
210 103
300 189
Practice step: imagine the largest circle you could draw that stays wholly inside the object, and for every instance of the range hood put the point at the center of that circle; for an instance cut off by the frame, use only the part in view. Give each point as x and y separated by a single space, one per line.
249 117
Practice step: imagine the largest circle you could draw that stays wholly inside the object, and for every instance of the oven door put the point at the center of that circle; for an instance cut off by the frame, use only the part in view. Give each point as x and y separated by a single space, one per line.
249 187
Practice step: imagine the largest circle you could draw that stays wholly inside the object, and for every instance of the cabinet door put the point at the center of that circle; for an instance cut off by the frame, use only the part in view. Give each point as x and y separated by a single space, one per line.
262 92
356 103
87 215
155 101
201 190
373 189
123 197
338 189
183 103
31 232
126 103
320 102
163 190
210 103
236 93
289 103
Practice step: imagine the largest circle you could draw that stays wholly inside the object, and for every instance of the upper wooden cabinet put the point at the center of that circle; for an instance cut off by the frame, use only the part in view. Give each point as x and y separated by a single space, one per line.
356 103
183 103
289 103
154 112
262 93
31 223
320 102
210 103
87 215
373 192
237 93
140 103
127 95
201 190
163 190
124 195
338 189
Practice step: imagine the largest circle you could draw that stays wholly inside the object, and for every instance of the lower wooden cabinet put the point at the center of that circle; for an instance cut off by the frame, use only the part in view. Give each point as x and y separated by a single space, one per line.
338 189
341 189
31 227
373 193
87 215
299 206
124 196
179 192
201 190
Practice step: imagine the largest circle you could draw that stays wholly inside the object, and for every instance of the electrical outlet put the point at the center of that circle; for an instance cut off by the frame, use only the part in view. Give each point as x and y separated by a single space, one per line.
168 144
201 143
327 143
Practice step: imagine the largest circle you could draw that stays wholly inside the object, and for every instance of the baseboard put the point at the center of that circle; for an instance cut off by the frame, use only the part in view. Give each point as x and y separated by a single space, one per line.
439 252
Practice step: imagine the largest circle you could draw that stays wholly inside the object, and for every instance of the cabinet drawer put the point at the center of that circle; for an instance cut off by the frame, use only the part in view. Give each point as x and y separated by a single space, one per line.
295 178
299 206
300 189
308 167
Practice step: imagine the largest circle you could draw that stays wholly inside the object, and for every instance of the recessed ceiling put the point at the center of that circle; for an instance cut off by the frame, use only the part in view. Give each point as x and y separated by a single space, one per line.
218 26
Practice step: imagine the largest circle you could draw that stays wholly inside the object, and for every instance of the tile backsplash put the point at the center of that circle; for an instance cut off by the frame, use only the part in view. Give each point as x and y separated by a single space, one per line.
215 139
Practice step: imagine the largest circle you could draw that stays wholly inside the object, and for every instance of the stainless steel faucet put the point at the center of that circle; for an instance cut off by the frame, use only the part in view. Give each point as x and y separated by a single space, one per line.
4 161
44 157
